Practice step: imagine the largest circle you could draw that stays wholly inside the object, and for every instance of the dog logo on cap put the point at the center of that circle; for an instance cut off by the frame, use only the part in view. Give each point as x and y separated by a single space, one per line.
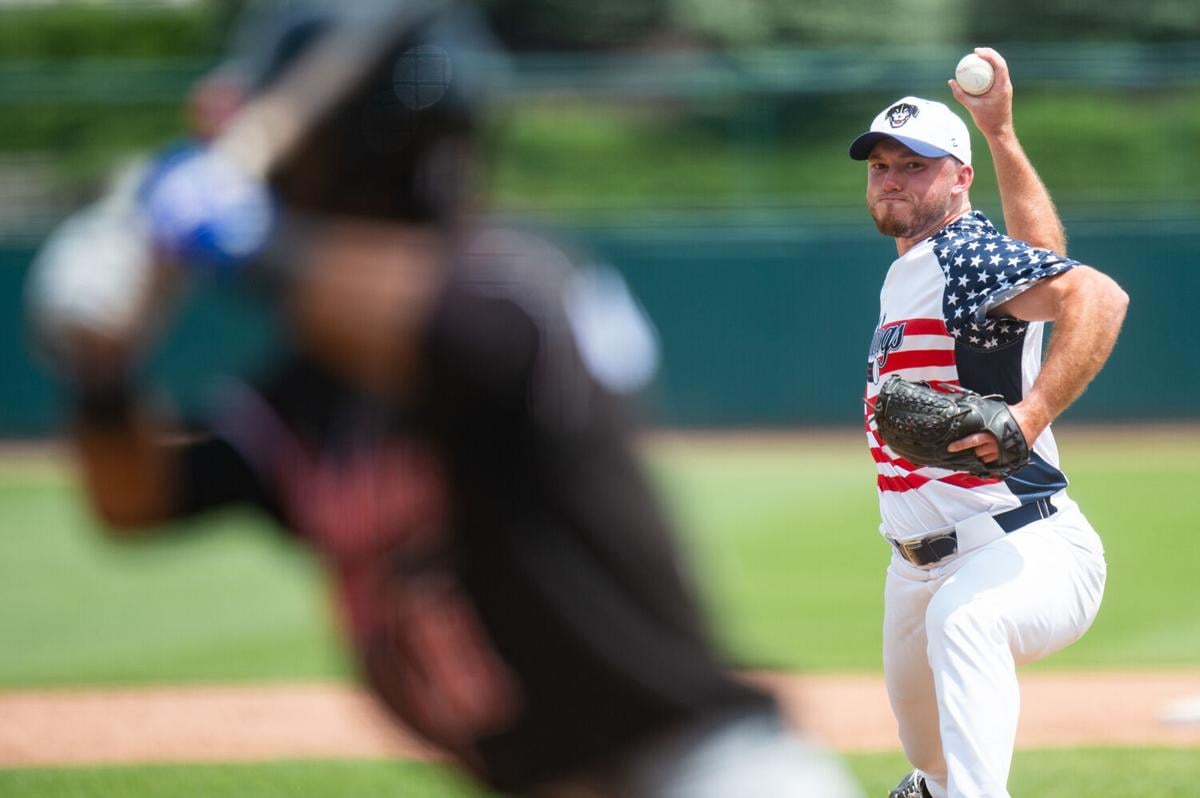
899 114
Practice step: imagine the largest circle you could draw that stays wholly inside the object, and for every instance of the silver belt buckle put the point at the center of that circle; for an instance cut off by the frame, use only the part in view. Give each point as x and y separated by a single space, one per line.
908 549
904 549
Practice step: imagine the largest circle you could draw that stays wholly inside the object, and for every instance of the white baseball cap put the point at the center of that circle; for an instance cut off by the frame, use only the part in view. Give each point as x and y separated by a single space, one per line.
926 127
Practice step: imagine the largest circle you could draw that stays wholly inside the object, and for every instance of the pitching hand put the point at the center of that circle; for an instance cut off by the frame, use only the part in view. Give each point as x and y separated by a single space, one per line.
992 110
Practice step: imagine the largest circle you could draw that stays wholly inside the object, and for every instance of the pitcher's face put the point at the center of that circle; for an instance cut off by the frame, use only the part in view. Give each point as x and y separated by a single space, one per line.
911 196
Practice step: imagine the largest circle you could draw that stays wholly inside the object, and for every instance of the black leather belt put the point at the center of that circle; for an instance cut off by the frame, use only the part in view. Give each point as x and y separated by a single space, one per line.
927 551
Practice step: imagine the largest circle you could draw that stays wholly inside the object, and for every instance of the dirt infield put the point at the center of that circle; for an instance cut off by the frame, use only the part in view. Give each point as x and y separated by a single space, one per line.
298 721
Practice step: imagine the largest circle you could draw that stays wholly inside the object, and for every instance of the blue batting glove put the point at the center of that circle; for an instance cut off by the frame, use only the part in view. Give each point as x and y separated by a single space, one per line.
204 212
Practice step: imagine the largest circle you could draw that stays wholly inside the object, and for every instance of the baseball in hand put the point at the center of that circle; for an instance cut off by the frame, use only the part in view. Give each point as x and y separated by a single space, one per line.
974 74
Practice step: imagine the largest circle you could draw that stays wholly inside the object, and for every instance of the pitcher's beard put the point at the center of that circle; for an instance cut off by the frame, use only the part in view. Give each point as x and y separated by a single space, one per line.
922 221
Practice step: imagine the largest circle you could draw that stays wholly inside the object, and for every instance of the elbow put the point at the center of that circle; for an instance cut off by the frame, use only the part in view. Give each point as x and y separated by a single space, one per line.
1107 295
124 518
1118 300
130 486
1122 306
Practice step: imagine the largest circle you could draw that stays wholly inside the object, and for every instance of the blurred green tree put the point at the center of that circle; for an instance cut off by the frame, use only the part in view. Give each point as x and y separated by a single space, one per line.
550 25
1083 20
821 22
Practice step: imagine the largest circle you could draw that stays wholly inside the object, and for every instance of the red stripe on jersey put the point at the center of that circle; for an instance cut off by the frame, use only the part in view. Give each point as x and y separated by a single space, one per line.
900 484
922 327
876 440
918 358
911 481
967 481
880 456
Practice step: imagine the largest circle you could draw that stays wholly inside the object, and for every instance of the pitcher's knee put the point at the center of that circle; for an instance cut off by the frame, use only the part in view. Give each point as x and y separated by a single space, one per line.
963 624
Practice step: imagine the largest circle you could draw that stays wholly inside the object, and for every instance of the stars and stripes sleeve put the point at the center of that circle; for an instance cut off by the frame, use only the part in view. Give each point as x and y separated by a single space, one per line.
984 271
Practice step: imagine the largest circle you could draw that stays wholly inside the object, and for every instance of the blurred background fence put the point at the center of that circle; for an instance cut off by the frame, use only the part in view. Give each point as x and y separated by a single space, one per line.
698 146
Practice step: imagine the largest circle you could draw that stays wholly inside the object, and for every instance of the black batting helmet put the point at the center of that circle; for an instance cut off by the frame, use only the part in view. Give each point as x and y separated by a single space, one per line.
399 144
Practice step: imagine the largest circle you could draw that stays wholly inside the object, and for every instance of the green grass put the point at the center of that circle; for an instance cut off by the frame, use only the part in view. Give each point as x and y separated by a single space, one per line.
224 600
782 535
785 540
1127 773
319 779
1139 507
1072 773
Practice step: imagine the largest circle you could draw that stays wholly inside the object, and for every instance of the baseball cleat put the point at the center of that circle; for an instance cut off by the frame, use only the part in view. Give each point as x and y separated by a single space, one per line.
913 786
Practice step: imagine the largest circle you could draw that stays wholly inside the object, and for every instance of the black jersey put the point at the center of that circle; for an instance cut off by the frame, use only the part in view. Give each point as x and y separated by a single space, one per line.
506 574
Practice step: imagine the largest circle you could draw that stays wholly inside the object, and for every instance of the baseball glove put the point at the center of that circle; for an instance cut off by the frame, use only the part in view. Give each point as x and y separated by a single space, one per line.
917 422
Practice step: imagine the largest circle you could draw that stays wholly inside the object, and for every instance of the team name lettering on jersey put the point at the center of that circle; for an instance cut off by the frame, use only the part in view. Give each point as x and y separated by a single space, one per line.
886 340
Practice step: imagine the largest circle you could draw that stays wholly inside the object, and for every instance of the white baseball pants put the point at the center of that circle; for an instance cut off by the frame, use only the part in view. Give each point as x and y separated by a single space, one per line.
954 632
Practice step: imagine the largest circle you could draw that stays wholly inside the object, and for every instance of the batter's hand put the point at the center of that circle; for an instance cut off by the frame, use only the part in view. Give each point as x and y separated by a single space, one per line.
205 212
992 110
95 293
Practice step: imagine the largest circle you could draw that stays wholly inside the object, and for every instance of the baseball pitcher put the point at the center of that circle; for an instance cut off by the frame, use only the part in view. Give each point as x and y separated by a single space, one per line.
993 564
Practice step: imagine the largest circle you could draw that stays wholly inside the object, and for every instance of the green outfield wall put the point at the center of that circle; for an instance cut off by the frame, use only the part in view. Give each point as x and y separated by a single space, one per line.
763 323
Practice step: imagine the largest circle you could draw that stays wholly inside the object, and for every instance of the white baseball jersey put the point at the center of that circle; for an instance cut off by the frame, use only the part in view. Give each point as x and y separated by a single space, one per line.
933 326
